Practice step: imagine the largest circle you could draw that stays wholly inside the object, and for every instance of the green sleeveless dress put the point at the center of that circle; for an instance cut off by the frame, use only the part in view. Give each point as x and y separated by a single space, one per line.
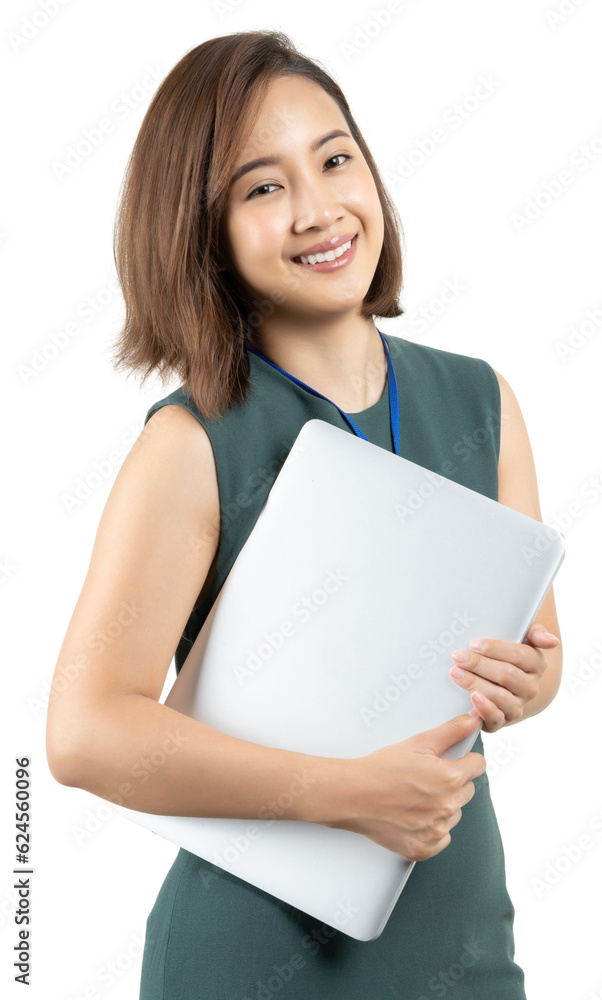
212 935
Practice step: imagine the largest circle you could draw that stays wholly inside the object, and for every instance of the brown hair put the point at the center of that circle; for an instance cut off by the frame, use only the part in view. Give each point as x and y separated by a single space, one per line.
186 311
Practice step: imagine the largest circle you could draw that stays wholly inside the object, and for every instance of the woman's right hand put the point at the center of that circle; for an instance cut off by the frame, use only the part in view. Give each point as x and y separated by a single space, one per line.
407 798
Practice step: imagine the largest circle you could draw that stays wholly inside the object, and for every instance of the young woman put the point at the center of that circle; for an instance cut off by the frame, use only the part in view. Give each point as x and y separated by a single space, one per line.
247 166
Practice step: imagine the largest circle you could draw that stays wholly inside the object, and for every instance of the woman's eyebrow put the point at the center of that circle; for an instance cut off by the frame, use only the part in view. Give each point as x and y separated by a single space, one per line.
267 161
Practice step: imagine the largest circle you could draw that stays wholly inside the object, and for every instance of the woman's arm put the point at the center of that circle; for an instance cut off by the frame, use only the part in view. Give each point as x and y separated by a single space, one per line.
517 488
107 732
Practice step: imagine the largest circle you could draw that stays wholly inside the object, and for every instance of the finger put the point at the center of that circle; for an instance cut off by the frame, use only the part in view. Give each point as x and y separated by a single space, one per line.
503 700
539 636
454 819
520 654
493 717
519 682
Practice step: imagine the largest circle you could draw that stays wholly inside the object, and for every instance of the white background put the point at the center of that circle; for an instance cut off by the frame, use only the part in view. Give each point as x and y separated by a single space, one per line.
527 288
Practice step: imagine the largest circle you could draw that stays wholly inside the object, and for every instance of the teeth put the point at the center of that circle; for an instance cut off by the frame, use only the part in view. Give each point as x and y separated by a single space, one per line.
318 258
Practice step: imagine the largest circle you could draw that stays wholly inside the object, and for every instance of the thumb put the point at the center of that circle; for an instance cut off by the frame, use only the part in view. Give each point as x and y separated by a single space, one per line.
539 636
441 737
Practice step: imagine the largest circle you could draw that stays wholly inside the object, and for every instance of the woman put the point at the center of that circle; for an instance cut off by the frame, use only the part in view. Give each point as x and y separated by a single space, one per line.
247 159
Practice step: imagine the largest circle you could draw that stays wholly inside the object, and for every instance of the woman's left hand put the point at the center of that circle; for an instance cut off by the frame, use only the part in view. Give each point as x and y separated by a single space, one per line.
503 677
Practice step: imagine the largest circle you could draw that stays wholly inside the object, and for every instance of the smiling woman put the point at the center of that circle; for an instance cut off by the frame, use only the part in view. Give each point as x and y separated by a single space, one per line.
255 244
242 136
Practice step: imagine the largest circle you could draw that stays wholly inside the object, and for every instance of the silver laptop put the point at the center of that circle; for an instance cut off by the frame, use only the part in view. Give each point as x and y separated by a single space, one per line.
332 635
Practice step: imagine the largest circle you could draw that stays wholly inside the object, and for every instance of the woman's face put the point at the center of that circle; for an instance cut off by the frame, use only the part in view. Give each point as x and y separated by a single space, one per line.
276 211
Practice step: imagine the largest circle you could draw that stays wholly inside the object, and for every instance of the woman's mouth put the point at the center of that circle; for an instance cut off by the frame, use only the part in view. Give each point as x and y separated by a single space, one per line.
329 261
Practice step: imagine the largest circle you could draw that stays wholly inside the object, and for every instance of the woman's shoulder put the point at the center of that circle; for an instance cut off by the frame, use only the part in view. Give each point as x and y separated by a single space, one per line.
177 428
429 355
442 368
178 397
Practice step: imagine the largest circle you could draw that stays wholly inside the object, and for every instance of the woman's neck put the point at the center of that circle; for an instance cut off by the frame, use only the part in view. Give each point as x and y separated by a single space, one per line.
347 366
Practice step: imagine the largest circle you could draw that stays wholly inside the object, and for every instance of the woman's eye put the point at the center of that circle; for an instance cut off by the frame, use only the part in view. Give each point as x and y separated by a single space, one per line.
260 187
345 156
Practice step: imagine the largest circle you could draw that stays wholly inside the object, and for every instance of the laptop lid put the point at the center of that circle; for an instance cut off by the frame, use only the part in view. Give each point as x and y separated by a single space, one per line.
332 635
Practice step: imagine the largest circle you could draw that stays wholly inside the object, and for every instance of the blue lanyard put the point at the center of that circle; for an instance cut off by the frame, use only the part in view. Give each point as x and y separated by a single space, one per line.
393 396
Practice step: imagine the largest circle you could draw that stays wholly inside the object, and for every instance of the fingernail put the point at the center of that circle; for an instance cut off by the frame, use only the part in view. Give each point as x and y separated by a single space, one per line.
548 635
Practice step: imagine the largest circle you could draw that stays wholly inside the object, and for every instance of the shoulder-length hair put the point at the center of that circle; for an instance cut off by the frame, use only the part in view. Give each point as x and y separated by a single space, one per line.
186 311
